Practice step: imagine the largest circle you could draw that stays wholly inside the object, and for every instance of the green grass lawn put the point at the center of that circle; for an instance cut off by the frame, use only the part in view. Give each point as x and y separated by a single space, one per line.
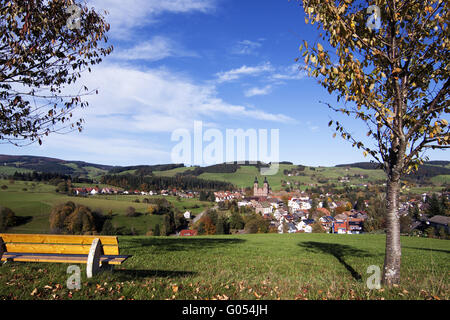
261 266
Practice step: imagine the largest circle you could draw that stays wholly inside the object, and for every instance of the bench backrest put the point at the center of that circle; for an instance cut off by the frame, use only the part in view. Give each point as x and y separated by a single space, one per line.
63 244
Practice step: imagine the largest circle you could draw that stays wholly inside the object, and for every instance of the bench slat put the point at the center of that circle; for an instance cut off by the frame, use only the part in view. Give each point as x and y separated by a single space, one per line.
57 238
57 248
59 258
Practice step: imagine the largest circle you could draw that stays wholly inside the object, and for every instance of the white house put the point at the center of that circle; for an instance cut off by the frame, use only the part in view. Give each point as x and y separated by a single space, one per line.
243 203
303 226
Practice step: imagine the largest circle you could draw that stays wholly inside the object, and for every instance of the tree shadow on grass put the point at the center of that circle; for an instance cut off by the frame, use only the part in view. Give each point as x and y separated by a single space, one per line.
427 249
124 275
339 251
181 243
21 220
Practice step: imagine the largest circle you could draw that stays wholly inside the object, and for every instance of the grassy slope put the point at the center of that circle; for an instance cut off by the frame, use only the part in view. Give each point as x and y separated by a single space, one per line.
37 203
10 170
267 266
245 176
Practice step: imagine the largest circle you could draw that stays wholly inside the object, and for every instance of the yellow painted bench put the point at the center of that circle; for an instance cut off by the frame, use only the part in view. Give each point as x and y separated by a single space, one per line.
97 252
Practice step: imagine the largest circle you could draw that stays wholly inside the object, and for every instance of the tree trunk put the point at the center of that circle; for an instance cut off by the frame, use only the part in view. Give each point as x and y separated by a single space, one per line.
391 270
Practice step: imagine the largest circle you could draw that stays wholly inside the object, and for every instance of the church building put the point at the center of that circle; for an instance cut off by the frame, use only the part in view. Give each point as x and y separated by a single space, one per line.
261 192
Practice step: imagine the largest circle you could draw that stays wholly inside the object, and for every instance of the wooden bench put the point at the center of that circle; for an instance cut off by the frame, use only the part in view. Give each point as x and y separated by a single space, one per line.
97 252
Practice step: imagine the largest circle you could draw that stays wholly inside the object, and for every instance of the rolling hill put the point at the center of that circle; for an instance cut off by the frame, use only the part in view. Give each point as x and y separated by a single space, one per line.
435 173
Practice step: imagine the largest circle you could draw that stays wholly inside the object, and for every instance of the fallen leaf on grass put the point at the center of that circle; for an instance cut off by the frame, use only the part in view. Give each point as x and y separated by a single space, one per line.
175 288
34 291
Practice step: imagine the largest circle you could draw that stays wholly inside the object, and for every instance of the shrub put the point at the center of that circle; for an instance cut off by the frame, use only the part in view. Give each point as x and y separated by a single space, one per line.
7 218
430 232
69 218
317 228
131 212
156 231
108 228
257 224
80 221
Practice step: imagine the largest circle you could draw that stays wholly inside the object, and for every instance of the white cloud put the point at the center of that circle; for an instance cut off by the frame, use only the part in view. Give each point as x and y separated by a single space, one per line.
255 91
246 47
156 100
311 127
237 73
102 148
293 72
157 48
123 16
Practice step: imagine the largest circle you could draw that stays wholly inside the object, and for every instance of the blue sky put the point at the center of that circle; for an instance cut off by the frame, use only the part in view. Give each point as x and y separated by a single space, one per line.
227 63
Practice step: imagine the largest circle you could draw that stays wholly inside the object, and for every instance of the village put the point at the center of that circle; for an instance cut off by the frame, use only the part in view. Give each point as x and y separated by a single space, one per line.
295 212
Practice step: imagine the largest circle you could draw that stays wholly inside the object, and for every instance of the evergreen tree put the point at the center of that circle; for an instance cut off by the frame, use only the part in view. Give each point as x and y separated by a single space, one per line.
108 229
435 206
156 231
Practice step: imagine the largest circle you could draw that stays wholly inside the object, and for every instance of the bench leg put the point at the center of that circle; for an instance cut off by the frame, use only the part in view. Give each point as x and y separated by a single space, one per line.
93 262
2 248
105 266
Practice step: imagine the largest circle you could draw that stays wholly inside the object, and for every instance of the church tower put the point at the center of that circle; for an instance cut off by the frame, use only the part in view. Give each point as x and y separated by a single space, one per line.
266 187
255 187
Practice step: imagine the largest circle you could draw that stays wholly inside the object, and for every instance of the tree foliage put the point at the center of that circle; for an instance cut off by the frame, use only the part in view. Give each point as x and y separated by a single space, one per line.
394 78
69 218
41 55
7 218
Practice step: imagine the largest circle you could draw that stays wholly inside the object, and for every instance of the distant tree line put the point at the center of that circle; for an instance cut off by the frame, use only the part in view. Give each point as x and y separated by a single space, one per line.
130 182
47 177
425 171
145 169
217 168
207 196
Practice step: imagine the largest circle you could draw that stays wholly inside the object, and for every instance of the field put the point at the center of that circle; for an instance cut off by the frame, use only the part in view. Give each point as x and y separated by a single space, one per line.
245 176
34 201
259 266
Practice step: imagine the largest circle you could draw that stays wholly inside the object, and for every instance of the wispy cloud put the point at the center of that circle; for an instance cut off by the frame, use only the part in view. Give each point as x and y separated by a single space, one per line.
157 48
293 72
124 16
247 47
312 127
255 91
237 73
104 149
158 100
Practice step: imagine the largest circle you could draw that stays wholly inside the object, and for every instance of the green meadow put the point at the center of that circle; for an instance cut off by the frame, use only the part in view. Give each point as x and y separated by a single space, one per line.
34 201
257 266
245 175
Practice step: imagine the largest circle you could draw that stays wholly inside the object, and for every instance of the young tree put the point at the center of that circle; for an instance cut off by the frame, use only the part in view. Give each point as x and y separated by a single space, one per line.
389 69
156 231
42 51
434 206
